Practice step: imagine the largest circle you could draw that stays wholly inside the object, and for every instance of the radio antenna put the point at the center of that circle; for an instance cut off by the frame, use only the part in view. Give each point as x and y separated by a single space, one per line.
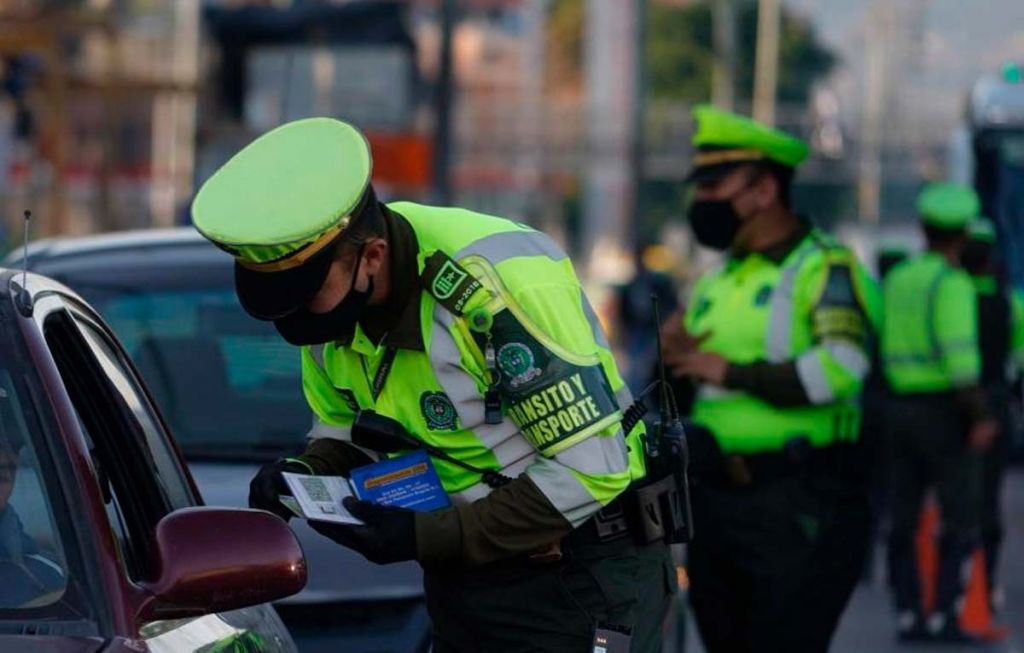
666 407
24 298
24 258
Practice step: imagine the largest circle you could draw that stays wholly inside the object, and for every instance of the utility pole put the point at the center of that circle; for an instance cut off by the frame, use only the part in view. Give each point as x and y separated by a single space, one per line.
723 74
636 221
608 53
877 81
443 108
766 65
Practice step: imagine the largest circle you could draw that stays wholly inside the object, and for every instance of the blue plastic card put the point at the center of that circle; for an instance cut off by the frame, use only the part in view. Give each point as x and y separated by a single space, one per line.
409 481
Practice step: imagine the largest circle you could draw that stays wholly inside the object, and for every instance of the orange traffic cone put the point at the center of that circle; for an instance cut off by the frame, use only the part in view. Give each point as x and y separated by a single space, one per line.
928 554
976 616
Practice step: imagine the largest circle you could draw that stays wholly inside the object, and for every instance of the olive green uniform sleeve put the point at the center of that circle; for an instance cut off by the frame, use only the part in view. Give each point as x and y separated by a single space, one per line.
514 519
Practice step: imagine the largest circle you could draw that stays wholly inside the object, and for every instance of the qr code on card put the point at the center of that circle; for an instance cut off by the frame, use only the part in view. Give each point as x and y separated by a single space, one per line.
315 489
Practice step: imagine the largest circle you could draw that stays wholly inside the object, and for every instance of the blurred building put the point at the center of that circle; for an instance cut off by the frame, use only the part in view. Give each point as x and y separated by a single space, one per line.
98 111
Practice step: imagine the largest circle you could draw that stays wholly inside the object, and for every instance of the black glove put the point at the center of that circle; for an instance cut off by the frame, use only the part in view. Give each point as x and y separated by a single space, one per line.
389 534
268 485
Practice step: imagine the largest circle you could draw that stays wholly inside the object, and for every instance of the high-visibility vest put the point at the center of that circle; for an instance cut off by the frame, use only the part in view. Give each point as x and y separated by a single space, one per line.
492 283
930 332
758 310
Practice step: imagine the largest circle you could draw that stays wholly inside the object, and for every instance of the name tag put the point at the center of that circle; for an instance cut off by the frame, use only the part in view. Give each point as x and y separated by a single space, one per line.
409 481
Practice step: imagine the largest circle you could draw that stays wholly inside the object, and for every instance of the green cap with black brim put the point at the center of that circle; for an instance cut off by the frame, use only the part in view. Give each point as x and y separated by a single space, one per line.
281 205
725 140
947 206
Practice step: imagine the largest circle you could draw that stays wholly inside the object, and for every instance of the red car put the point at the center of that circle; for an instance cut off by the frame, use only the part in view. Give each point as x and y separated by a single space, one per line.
104 545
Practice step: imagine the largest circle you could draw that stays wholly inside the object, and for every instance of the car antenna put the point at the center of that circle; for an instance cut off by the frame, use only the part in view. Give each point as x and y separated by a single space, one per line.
24 298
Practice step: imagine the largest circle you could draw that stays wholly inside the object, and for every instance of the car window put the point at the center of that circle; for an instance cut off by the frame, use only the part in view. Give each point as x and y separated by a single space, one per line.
33 567
227 384
167 472
126 468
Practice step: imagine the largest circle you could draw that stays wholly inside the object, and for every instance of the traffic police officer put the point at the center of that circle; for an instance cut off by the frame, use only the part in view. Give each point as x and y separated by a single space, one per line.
778 339
938 420
473 335
1001 341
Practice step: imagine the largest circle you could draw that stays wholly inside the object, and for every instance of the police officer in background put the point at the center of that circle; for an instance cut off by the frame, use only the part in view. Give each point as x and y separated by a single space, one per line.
778 340
939 421
1001 340
470 335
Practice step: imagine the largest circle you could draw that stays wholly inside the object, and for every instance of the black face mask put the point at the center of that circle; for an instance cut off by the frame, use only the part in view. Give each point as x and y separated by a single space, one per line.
304 327
975 257
714 222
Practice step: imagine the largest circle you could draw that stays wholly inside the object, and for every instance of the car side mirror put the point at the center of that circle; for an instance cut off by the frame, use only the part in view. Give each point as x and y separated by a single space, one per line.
219 559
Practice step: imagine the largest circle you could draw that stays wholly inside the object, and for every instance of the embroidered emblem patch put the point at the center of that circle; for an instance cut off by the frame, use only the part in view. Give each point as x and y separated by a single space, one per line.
447 280
516 361
438 411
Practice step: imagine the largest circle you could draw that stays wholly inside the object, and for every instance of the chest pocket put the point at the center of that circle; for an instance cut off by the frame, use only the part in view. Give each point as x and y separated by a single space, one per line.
739 314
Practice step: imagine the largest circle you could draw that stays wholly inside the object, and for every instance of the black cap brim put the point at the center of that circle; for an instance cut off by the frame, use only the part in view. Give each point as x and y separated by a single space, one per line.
273 295
702 174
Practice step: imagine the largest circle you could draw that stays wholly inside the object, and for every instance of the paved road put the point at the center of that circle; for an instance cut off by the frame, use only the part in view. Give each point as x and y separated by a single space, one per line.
867 625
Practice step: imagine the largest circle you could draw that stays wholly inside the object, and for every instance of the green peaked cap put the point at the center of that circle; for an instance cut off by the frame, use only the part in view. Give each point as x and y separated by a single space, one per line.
720 132
285 191
982 230
949 206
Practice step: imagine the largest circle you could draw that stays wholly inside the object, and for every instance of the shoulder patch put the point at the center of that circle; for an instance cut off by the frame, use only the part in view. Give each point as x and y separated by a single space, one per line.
448 282
839 287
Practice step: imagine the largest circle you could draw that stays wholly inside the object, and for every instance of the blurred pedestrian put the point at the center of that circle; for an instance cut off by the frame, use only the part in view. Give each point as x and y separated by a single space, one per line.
938 421
636 321
1001 340
778 340
872 438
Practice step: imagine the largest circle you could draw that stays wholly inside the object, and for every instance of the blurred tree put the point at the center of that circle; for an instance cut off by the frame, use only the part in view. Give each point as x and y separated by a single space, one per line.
565 46
680 55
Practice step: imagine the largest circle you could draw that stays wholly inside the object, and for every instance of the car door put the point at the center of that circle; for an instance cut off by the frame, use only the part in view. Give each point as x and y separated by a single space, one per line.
142 478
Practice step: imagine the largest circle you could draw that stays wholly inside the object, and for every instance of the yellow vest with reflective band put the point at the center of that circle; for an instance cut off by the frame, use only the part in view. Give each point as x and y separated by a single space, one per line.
758 310
930 332
568 439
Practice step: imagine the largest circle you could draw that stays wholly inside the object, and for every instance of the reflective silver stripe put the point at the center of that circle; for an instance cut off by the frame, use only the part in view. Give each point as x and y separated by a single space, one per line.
780 319
811 372
851 357
595 323
322 429
317 354
597 455
565 492
510 244
504 439
624 397
707 391
481 490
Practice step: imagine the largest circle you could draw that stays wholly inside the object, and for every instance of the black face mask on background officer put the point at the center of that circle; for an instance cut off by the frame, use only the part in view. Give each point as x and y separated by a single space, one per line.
720 208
